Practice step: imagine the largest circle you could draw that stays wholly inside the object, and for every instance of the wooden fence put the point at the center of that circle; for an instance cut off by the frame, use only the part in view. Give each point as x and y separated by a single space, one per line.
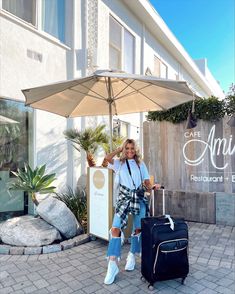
197 168
201 159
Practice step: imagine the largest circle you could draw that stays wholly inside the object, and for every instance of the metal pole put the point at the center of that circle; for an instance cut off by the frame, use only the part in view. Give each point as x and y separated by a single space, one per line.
110 100
163 202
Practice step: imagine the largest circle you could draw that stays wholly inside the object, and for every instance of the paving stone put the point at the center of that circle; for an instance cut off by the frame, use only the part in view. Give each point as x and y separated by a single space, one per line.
81 239
67 244
17 250
66 278
30 289
66 290
32 250
42 283
224 290
92 288
225 282
208 291
5 249
51 248
9 281
21 285
7 290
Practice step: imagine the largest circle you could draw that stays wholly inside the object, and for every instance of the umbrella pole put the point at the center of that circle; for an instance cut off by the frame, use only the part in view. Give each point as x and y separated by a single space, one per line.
110 127
110 100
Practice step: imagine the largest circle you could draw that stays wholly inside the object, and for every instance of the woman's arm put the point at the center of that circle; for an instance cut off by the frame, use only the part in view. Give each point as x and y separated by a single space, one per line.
109 157
149 186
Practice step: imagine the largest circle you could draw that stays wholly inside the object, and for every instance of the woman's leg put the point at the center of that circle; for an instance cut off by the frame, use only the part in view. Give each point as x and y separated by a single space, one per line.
114 247
114 250
135 238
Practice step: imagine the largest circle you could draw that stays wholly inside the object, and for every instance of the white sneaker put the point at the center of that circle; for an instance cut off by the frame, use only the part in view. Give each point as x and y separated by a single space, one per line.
130 262
111 272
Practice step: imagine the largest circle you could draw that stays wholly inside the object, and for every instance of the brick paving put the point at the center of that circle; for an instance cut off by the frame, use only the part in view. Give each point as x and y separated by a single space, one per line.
82 269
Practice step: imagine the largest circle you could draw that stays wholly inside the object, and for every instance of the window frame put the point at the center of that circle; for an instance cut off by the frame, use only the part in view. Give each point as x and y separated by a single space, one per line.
35 16
161 64
122 51
118 125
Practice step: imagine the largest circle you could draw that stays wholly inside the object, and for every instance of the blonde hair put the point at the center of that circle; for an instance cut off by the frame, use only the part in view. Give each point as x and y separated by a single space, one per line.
137 156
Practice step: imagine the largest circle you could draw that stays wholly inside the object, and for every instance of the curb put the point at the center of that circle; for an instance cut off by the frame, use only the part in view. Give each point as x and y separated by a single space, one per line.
64 245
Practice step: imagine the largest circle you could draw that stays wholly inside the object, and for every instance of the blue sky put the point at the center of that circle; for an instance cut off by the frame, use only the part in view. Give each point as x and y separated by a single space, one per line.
206 29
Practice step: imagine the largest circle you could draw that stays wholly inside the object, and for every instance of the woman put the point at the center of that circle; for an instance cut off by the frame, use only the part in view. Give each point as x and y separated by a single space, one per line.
132 172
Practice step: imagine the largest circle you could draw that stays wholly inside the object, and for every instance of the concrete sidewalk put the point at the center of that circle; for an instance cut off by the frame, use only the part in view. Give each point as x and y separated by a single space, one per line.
82 269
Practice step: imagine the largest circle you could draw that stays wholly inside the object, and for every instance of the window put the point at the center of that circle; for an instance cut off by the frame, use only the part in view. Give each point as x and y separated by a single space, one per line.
164 70
129 44
160 68
121 47
120 128
24 9
115 44
15 149
177 77
157 67
53 18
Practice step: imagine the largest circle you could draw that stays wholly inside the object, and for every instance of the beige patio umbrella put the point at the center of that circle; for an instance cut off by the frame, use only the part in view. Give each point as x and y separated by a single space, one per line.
108 93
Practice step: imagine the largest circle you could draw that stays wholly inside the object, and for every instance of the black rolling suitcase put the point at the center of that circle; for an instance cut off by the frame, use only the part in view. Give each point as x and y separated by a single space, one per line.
164 248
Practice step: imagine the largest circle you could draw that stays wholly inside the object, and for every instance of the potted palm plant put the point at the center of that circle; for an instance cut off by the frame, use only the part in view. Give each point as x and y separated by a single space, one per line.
88 140
33 181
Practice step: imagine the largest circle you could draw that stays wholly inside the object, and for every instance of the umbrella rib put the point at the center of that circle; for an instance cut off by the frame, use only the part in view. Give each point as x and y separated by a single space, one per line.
127 85
92 91
165 87
100 98
154 102
134 90
141 94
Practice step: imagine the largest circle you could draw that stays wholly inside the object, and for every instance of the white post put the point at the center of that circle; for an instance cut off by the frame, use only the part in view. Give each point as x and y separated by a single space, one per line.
110 100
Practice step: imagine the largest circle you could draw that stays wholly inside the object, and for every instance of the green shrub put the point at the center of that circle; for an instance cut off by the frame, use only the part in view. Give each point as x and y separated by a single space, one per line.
230 104
209 109
77 203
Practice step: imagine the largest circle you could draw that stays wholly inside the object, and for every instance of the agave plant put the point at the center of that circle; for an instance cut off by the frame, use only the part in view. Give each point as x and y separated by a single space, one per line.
117 142
33 181
88 140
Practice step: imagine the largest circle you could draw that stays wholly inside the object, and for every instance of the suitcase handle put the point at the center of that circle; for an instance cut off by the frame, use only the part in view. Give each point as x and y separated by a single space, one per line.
163 200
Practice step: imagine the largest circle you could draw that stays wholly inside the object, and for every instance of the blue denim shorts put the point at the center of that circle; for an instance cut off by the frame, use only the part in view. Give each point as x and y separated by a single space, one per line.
136 218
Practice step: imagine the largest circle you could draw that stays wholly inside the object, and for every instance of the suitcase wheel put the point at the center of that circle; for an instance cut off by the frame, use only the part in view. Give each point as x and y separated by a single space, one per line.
183 281
93 238
150 287
143 279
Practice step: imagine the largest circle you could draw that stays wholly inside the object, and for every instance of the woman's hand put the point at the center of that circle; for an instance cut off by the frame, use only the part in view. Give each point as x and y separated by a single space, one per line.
109 157
156 187
119 149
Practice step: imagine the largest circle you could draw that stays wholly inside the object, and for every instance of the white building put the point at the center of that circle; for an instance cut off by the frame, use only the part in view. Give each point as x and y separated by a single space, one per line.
44 41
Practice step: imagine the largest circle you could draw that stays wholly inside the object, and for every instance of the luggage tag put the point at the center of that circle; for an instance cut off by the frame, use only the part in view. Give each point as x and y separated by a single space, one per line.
172 226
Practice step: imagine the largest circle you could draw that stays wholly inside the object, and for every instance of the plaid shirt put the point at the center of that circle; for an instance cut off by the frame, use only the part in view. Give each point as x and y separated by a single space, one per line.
128 202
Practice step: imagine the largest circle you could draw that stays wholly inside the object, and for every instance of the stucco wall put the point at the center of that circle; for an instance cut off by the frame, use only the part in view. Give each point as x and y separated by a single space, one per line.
28 60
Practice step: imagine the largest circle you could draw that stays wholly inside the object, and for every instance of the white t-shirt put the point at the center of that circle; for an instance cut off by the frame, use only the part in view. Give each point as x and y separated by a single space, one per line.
125 178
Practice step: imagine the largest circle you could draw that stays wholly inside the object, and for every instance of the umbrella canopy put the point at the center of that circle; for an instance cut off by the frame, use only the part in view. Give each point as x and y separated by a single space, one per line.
108 93
127 93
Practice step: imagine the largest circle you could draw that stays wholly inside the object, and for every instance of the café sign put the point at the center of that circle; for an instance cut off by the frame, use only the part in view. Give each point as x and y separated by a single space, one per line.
212 146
